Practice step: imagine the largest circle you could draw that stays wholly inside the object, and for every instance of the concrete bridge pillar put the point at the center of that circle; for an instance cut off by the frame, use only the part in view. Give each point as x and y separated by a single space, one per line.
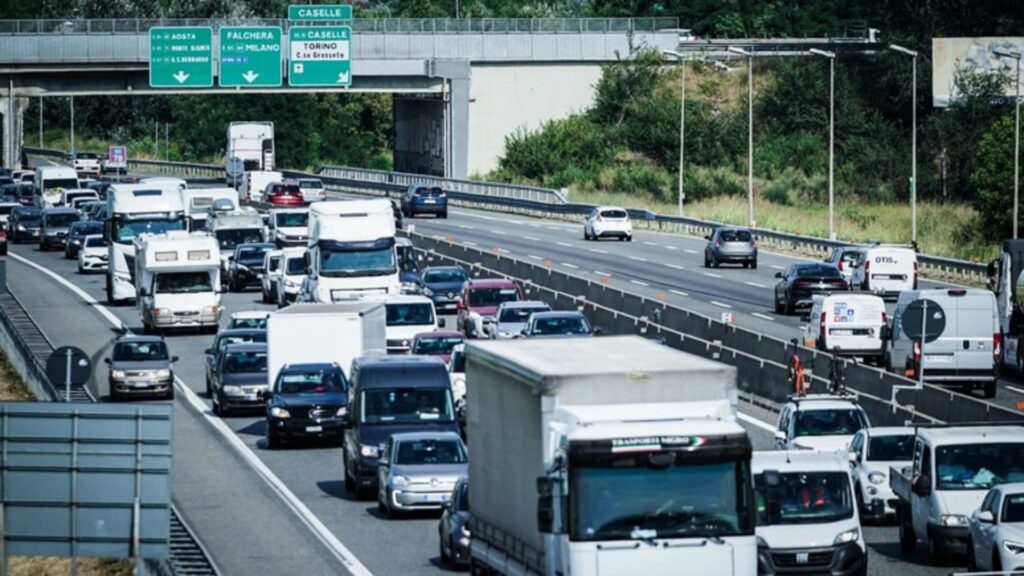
13 128
432 131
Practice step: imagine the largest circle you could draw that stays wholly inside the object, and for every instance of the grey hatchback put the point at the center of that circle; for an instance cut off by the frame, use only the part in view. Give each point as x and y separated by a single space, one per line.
141 366
730 245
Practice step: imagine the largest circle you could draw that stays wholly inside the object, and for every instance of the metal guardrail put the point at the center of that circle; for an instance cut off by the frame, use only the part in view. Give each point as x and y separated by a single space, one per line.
374 25
475 187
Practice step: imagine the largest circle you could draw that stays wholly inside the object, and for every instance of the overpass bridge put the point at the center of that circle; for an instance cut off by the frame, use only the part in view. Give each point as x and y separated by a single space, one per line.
460 85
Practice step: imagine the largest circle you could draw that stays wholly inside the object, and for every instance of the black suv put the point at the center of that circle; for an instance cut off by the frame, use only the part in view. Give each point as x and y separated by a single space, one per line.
247 266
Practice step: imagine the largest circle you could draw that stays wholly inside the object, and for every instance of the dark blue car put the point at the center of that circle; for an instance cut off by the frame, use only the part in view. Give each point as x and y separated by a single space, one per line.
443 285
424 199
77 234
308 401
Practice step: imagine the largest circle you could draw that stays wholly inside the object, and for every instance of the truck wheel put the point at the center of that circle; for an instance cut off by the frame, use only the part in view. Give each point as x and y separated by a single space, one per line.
990 389
908 541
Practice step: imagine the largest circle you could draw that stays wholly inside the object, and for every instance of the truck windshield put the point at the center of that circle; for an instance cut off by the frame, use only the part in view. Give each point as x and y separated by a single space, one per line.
61 183
228 239
295 267
406 405
127 230
656 495
410 314
805 498
481 297
182 283
978 466
59 220
347 263
829 422
292 220
430 451
891 448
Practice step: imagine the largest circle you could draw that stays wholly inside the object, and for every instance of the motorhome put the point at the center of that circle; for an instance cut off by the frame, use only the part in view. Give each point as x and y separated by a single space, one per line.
177 280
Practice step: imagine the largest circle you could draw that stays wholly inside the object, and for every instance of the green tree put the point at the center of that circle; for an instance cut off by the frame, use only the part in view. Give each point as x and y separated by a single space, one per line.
993 181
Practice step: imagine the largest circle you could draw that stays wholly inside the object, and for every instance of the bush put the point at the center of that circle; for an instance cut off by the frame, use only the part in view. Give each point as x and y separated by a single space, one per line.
559 145
706 182
638 178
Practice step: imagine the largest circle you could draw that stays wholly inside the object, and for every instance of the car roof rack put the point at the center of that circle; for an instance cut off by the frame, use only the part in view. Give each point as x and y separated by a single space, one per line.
843 394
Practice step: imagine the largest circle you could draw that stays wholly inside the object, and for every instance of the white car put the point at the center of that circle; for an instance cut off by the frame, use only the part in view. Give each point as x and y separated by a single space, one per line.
86 162
271 270
457 372
289 278
996 531
873 452
92 256
823 422
256 319
608 222
312 190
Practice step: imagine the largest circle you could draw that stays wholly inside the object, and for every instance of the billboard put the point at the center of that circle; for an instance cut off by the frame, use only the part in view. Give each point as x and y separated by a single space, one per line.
970 54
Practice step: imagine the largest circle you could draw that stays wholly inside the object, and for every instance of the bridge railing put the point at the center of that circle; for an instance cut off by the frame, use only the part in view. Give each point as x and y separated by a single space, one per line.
369 25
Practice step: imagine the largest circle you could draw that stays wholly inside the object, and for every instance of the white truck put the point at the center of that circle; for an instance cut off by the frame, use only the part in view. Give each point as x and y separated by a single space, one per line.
234 227
323 333
133 210
199 201
606 456
177 279
50 181
351 251
252 143
1006 280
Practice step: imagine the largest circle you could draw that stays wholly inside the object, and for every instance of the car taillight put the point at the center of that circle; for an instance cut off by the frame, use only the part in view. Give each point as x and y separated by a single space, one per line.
821 326
840 266
885 319
598 218
997 347
867 266
718 243
917 351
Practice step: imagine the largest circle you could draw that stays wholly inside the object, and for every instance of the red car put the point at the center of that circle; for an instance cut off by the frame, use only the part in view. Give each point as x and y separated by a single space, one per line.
440 344
479 302
283 194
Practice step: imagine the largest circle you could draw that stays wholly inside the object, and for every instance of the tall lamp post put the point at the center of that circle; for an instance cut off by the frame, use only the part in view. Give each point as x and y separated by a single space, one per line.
913 140
682 121
1016 139
831 137
750 130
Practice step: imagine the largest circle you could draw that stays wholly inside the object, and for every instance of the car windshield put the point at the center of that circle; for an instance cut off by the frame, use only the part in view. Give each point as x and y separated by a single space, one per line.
978 466
139 351
1013 508
818 272
55 220
127 230
251 254
257 323
517 314
891 448
95 242
409 314
492 296
295 267
804 498
614 214
87 228
433 345
182 283
228 239
370 262
30 218
62 183
285 189
245 362
842 422
560 325
291 219
406 405
310 184
429 451
86 156
225 340
310 381
428 191
445 276
735 236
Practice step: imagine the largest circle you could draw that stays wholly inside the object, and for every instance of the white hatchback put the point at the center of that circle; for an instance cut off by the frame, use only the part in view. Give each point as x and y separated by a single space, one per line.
92 257
996 531
608 222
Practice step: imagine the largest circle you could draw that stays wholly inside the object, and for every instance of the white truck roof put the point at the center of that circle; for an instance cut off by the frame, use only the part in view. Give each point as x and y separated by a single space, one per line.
800 461
155 197
179 250
56 171
351 220
668 419
360 307
241 218
1006 434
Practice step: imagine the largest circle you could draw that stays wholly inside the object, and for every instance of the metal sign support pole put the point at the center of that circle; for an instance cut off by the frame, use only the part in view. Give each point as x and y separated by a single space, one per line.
924 324
67 375
140 570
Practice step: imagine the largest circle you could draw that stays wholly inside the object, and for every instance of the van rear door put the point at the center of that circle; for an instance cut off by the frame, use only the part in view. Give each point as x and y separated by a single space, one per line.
976 327
854 323
890 270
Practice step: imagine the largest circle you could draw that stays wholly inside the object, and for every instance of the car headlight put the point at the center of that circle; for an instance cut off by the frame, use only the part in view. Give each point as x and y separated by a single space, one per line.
161 311
117 373
846 537
231 390
21 228
341 412
428 292
211 309
399 481
368 451
165 373
876 478
953 520
278 412
761 542
1015 548
464 530
76 242
290 284
410 287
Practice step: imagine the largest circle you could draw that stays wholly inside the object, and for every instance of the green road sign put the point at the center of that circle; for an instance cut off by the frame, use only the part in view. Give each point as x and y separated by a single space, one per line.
181 57
320 12
250 56
319 56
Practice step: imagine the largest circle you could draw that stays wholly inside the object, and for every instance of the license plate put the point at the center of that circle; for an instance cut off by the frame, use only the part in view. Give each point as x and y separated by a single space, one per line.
842 332
429 201
946 358
314 428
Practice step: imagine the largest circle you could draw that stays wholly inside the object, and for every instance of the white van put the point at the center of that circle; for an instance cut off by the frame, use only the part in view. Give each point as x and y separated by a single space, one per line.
50 181
408 316
968 347
847 325
252 184
885 270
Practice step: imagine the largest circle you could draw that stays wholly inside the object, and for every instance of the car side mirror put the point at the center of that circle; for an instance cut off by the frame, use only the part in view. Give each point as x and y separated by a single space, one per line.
174 358
461 305
346 421
885 332
524 332
922 485
597 330
778 274
441 322
383 462
106 360
447 505
852 456
707 237
986 517
208 351
780 435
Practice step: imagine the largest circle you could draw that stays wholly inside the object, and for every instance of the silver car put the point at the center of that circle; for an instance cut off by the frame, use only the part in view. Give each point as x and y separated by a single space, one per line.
513 316
312 190
418 470
730 245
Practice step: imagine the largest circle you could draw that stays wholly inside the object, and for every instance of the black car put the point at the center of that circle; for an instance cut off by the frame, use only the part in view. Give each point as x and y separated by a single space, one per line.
140 366
307 401
443 285
241 378
23 224
221 341
453 527
54 228
800 282
424 199
247 266
77 234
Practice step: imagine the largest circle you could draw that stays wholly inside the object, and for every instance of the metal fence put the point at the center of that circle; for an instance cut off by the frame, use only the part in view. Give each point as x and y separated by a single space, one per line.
475 187
375 25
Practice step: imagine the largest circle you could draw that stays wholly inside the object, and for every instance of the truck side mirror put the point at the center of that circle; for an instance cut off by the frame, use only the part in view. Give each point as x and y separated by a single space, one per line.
780 435
773 495
922 485
986 517
106 360
143 292
546 506
441 322
990 270
885 333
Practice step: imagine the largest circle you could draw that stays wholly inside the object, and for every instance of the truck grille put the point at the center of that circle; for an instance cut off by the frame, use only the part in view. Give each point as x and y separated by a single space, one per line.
808 559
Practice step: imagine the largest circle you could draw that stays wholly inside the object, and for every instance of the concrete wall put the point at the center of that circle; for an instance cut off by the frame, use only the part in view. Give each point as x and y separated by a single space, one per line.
504 98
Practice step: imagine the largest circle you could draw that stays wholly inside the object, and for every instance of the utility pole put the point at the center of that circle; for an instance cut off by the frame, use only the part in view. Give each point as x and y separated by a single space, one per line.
72 125
1016 140
750 130
831 137
913 140
682 123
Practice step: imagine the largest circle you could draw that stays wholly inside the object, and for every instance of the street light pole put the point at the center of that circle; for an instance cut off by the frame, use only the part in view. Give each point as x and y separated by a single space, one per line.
913 141
1016 140
831 137
682 122
750 130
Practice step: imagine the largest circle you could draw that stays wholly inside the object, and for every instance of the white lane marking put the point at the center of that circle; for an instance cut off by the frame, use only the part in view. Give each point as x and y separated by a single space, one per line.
464 226
677 292
555 228
498 233
670 247
532 238
599 273
777 267
1017 390
468 243
650 244
710 275
675 266
573 266
639 283
566 244
722 304
638 259
688 251
754 421
597 251
534 256
756 285
501 250
326 537
762 316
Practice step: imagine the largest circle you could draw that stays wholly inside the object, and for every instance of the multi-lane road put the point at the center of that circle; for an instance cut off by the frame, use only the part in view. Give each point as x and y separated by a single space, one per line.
274 512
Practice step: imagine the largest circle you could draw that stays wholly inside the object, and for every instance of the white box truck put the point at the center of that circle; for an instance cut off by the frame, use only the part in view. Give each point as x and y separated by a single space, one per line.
252 143
606 456
177 280
315 333
50 181
351 251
